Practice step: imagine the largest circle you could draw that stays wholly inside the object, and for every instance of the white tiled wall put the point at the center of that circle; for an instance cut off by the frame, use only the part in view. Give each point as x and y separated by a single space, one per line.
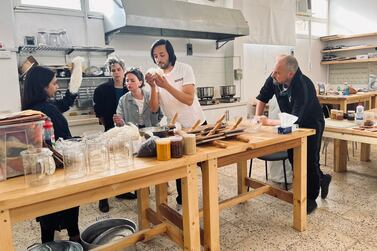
355 74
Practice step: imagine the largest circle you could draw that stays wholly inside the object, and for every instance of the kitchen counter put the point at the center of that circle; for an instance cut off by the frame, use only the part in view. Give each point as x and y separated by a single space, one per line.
81 120
223 105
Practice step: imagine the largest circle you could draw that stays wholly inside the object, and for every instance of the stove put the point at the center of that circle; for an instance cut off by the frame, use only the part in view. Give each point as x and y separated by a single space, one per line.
228 99
208 101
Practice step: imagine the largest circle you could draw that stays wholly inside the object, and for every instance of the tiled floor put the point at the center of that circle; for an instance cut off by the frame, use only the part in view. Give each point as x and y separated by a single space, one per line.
346 220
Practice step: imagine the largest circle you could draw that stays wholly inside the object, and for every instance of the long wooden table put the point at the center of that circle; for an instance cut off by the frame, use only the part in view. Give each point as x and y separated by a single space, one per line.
342 132
19 202
261 143
343 101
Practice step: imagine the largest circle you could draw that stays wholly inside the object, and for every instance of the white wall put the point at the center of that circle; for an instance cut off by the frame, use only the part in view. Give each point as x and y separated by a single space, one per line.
10 94
352 17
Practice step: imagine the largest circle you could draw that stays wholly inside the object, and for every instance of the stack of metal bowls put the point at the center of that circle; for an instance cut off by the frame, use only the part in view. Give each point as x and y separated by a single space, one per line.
106 231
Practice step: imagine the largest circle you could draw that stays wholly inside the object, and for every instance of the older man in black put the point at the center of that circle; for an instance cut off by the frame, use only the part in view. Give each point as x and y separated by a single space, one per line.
296 95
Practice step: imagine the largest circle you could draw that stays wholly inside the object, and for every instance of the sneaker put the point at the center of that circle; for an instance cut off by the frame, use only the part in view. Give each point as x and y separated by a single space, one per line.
127 196
311 206
103 206
325 183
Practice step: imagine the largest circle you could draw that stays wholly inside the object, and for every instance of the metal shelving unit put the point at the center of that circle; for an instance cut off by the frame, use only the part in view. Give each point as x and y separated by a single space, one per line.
28 49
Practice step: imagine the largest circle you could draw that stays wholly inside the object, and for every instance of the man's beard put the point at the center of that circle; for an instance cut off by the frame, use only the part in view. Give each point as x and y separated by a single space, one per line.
164 66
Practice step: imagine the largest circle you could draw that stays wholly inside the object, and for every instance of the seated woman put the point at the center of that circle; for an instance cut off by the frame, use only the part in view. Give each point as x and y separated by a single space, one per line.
40 85
134 106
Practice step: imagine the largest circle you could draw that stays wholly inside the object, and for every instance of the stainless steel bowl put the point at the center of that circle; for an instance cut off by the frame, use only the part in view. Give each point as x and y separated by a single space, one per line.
227 91
94 231
205 92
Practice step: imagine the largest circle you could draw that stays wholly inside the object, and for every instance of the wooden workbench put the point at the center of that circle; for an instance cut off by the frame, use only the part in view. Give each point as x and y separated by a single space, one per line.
19 202
343 101
261 143
342 132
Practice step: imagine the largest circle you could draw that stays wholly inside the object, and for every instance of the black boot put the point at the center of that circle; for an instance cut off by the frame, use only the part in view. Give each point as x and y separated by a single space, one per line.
325 183
103 205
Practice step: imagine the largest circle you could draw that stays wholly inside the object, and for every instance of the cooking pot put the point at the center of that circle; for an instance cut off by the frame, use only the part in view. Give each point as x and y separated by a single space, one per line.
56 245
205 92
227 90
105 231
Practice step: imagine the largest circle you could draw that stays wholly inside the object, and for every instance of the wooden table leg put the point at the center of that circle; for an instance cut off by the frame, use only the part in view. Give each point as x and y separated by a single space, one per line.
241 175
6 236
365 152
161 195
299 186
191 233
340 155
143 205
211 216
343 106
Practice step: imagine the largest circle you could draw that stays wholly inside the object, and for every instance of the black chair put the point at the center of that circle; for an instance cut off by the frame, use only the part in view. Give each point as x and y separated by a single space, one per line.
283 156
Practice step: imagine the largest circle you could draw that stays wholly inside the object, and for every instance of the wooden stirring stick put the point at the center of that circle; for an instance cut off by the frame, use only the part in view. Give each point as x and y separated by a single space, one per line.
195 125
217 126
236 124
219 120
174 119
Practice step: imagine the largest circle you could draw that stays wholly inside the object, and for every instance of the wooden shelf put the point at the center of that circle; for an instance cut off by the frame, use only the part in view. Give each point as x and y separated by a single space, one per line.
349 61
341 37
352 48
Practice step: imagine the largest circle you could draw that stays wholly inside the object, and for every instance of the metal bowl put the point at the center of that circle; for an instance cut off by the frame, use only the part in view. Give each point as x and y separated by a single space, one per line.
205 92
227 91
56 245
91 233
159 131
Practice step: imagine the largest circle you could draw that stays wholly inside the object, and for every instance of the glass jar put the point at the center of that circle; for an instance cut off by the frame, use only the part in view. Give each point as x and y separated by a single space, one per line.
64 39
120 150
97 156
339 115
176 147
351 115
163 149
54 39
189 144
42 37
38 165
369 119
333 114
74 162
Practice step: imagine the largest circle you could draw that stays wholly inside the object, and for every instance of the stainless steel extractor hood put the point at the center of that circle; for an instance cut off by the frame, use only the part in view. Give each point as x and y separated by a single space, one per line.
175 19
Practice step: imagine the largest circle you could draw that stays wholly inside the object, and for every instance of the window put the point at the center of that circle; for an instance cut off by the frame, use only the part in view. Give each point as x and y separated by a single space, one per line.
61 4
315 24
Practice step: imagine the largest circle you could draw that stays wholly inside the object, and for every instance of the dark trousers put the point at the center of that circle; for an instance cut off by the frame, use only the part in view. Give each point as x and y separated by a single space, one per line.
179 185
314 172
66 219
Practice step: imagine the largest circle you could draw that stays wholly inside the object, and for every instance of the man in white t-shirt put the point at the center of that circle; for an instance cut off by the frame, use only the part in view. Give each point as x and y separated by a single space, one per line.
174 86
173 89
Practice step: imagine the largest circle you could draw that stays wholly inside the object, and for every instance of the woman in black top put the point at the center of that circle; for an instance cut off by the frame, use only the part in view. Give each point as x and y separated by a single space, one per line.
40 85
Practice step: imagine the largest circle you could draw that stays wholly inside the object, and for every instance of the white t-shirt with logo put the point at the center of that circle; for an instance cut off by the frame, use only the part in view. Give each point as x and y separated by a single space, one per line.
182 74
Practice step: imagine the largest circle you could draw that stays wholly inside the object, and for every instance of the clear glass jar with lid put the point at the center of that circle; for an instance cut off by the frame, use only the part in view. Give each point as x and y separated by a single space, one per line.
42 37
54 40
